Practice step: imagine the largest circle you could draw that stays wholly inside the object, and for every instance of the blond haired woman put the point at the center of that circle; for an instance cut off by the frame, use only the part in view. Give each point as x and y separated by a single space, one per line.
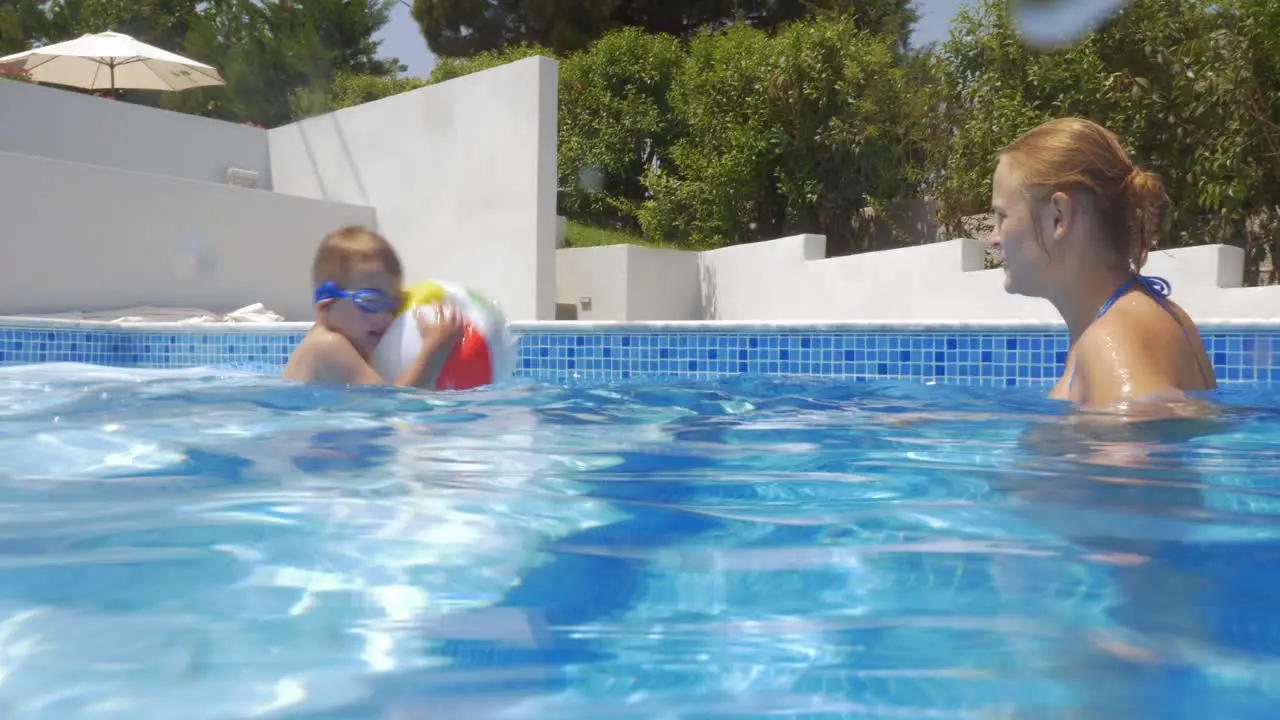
1075 220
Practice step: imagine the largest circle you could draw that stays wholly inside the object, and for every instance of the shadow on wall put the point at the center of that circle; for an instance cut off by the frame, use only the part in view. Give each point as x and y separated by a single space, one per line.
356 176
308 129
710 298
309 150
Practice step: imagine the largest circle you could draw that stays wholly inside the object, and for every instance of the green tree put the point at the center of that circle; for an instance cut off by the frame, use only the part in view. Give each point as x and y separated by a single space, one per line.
460 28
280 58
354 88
1158 74
447 68
22 24
616 122
349 89
791 133
158 22
1251 45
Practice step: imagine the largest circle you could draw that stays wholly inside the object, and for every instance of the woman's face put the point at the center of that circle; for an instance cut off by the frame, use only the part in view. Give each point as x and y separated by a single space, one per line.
1026 256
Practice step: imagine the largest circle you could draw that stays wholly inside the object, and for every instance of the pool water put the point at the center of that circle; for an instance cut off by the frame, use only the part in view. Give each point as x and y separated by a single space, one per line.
203 544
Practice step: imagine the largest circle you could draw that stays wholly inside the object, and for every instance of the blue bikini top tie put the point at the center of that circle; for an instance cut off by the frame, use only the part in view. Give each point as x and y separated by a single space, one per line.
1157 287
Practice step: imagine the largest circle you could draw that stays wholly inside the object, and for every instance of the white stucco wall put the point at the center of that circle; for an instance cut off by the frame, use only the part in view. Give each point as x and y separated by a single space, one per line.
64 125
81 237
789 279
628 282
463 176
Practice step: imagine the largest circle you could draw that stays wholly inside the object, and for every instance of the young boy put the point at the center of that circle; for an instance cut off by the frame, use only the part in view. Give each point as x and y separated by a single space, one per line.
357 277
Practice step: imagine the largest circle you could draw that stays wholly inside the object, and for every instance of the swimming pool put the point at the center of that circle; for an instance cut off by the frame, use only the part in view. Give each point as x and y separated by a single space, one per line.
204 543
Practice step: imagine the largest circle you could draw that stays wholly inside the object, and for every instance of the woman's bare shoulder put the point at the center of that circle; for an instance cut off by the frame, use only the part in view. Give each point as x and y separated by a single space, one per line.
1140 351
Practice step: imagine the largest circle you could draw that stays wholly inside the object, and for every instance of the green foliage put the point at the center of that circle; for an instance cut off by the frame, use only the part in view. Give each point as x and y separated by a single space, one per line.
151 21
717 182
447 68
1252 42
279 58
462 28
616 121
991 88
348 88
1188 85
20 22
579 235
779 134
270 56
733 137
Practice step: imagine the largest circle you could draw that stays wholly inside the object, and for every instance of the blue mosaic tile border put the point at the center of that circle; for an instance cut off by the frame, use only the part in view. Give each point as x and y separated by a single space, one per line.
131 348
968 356
568 352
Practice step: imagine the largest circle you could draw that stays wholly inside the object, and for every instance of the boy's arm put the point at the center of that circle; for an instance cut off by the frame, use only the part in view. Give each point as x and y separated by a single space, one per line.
439 336
427 363
330 358
343 364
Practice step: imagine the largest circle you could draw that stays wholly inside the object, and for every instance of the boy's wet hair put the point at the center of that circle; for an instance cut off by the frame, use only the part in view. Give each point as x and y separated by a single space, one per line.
343 250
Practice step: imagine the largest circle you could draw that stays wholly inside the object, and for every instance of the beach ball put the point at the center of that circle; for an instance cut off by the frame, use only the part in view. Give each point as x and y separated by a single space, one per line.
486 354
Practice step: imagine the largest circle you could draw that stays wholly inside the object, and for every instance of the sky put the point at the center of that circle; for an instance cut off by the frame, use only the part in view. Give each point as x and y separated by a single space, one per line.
401 37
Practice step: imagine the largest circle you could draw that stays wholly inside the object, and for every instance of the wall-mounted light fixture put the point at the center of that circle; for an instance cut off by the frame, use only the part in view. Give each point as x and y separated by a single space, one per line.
242 178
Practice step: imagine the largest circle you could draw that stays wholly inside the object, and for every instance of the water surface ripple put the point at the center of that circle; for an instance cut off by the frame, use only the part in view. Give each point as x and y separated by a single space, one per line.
219 545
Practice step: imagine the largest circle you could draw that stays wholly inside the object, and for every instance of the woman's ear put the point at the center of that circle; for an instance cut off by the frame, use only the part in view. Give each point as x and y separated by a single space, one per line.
1061 210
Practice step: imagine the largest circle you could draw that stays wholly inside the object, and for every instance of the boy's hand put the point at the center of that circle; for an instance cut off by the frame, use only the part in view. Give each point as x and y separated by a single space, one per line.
441 326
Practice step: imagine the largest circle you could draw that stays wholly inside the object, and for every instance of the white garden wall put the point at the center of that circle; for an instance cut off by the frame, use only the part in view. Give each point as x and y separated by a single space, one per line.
790 279
64 125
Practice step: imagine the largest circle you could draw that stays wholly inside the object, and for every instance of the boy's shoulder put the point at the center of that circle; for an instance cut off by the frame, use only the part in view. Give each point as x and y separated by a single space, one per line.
323 355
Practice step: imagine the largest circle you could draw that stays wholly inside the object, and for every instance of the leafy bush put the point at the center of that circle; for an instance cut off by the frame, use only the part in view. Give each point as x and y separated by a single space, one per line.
615 122
350 89
1188 85
791 133
447 68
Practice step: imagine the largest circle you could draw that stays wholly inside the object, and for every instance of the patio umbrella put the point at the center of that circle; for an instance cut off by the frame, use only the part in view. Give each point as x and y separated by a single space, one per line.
112 61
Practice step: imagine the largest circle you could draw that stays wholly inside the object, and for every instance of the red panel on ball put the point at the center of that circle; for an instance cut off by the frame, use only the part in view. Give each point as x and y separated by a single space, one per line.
469 365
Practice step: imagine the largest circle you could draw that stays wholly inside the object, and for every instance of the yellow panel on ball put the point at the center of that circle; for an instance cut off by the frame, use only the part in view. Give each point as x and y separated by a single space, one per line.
421 294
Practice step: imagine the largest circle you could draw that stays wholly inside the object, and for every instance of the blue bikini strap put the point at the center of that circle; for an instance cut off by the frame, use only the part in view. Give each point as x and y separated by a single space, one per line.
1157 287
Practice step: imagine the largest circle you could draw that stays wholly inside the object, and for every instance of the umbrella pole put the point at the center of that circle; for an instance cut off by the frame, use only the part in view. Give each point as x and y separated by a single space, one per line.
113 79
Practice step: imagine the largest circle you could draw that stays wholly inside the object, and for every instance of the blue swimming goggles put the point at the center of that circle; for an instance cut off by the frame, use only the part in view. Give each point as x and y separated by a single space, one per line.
370 300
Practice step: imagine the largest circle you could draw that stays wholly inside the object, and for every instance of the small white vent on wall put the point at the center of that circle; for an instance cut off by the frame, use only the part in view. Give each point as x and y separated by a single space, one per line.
242 178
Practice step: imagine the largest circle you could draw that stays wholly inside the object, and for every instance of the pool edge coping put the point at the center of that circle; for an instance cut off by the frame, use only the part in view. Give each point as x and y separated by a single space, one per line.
558 327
